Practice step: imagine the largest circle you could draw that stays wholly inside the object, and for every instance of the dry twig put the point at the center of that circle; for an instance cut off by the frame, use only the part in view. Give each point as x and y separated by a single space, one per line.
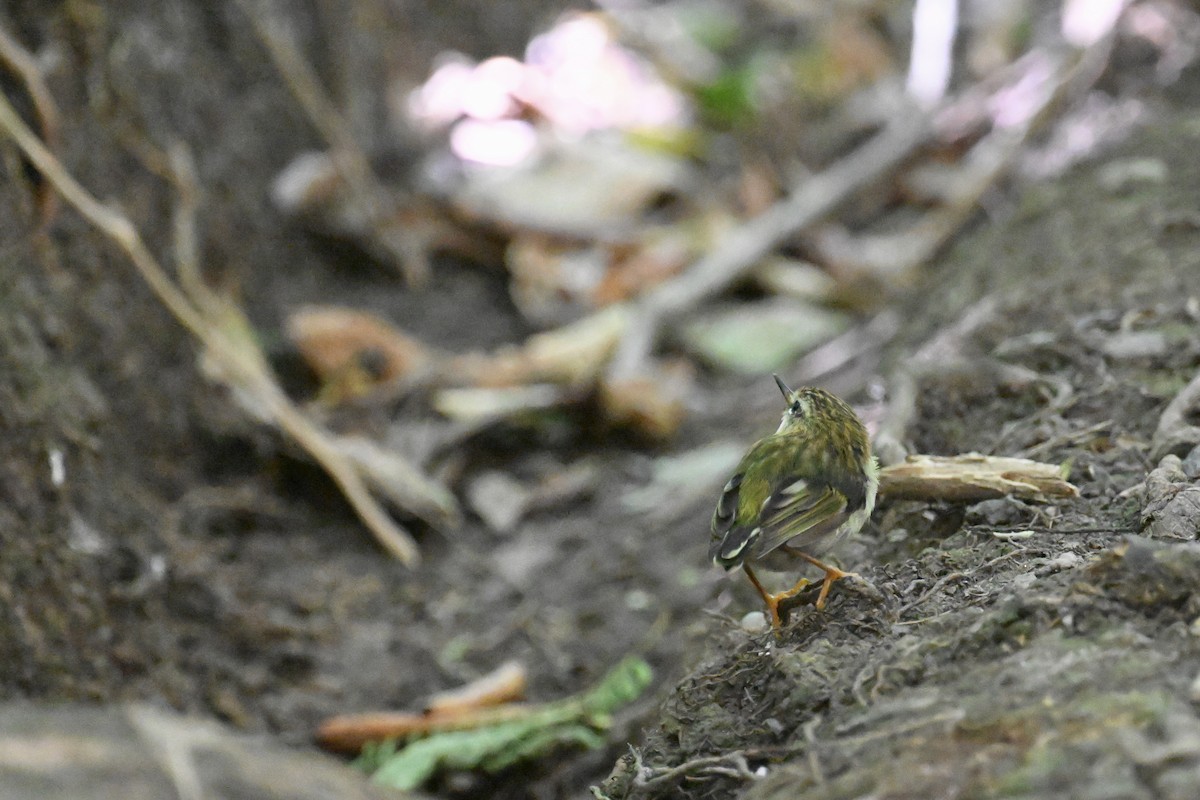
22 63
348 733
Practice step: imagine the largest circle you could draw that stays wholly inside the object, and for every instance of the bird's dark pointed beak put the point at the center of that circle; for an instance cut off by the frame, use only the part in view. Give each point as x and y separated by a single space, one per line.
783 387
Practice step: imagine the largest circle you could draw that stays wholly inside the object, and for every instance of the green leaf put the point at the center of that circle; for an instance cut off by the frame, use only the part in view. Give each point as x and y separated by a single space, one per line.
764 336
729 99
579 721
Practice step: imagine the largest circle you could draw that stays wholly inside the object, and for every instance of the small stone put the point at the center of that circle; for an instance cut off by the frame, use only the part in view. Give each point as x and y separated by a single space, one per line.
1124 175
498 499
1191 463
638 600
1135 345
1064 560
520 560
1024 580
1172 502
754 622
1178 519
998 511
1143 573
82 537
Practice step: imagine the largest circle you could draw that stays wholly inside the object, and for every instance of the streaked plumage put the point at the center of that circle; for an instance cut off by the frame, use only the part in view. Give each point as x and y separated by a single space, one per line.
804 486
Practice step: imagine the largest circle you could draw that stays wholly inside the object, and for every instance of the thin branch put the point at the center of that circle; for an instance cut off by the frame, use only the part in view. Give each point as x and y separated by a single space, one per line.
1046 81
181 171
21 61
110 222
818 195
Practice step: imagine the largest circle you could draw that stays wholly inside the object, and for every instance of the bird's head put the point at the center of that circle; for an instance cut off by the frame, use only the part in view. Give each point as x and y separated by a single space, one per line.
812 410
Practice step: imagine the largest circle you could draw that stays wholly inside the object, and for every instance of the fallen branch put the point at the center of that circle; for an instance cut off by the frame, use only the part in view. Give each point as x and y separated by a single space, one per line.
818 195
972 477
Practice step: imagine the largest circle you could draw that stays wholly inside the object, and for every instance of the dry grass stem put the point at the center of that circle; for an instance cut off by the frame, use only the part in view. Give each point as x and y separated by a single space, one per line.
21 62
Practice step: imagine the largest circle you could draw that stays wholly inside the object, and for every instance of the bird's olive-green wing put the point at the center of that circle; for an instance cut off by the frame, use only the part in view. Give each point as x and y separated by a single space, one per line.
773 498
737 522
805 510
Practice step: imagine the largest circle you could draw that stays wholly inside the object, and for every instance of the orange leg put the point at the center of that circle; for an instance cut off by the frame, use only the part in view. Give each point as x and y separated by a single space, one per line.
831 574
773 600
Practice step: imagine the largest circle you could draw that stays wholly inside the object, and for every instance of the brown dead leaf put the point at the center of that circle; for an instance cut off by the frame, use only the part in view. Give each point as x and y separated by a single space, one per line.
554 279
651 402
352 352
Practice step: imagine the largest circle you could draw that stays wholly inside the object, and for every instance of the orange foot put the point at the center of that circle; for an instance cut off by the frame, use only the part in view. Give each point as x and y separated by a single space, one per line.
832 574
773 600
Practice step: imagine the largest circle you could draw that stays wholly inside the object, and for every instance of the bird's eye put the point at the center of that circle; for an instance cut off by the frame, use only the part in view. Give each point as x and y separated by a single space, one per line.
796 408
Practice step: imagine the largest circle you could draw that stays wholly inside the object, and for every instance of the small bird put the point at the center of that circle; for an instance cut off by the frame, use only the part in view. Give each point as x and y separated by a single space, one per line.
797 491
